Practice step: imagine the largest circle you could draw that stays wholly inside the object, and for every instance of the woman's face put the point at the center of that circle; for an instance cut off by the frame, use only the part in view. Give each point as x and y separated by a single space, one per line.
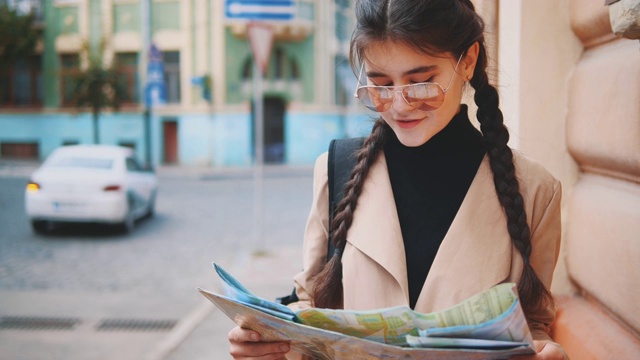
394 64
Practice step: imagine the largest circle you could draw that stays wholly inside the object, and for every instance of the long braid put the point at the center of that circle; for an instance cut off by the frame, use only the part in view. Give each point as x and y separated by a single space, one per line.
436 27
327 291
534 295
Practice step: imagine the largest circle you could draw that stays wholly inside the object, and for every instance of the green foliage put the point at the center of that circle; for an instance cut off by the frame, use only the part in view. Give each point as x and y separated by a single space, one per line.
98 86
18 37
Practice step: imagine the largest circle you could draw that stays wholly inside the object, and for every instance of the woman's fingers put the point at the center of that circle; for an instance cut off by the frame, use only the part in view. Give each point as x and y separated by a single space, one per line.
246 344
545 350
259 351
238 334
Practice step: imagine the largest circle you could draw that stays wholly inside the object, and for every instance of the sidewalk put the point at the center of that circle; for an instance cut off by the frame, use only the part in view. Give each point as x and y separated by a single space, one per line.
18 168
202 335
24 168
199 333
228 173
201 330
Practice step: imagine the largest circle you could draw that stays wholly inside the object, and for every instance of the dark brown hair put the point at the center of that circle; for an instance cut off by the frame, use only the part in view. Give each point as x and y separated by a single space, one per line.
434 27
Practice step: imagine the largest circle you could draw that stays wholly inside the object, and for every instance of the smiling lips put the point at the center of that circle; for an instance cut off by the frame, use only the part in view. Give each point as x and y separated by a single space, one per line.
407 124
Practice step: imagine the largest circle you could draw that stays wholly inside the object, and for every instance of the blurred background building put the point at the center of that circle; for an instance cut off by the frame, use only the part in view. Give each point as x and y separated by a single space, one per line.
568 73
205 118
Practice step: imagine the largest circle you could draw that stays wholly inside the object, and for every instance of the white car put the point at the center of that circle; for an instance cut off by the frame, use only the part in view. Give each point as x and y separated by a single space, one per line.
90 183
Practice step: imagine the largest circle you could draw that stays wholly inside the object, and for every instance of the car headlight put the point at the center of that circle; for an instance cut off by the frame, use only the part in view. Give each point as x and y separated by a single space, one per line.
33 187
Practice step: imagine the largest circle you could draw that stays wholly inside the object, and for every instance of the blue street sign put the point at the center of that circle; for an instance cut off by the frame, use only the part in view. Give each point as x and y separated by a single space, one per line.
155 54
155 92
197 80
260 9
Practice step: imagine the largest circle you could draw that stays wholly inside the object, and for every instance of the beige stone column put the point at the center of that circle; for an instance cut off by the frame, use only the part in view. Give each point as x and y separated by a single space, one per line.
186 52
107 31
201 47
323 50
217 67
510 24
83 30
537 54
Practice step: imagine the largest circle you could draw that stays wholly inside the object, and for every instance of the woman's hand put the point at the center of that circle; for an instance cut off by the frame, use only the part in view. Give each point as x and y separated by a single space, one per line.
545 350
246 344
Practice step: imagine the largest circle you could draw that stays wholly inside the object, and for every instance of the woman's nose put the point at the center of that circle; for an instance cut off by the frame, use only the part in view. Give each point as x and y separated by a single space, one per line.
399 102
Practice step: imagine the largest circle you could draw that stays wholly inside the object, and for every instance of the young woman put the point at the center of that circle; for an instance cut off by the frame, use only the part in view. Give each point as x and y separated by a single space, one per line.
435 211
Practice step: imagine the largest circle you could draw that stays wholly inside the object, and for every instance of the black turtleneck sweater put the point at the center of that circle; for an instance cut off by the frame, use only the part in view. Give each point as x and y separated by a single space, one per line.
429 183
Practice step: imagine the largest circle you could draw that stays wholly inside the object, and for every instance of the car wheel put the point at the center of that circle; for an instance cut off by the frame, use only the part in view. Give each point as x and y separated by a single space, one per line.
126 226
40 226
151 207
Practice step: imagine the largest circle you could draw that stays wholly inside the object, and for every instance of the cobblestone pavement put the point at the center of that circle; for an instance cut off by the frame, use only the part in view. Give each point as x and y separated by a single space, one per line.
92 274
267 276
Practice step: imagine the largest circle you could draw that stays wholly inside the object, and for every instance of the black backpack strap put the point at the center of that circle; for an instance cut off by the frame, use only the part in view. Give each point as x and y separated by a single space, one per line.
342 160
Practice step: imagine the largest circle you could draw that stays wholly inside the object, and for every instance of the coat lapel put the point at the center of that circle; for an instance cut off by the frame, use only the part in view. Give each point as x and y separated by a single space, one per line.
476 251
474 255
375 230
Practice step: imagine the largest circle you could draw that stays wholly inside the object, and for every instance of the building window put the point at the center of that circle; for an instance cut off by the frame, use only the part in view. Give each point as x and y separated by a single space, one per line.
21 84
281 63
25 151
295 70
247 69
345 81
127 67
172 75
69 71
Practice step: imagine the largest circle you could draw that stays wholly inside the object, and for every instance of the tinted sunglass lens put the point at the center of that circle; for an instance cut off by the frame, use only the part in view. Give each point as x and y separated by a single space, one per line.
425 97
374 98
421 92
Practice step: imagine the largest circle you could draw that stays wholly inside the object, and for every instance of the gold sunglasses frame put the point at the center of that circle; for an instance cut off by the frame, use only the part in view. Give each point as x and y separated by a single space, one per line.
400 88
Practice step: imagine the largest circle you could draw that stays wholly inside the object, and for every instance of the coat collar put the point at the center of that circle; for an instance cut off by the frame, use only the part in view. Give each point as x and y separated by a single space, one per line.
375 230
476 242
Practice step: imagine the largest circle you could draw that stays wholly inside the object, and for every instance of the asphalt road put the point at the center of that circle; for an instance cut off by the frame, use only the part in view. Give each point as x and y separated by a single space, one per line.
90 273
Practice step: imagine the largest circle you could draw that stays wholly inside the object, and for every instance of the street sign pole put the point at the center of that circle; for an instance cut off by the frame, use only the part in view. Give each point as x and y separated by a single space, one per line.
154 94
258 174
260 33
260 40
146 115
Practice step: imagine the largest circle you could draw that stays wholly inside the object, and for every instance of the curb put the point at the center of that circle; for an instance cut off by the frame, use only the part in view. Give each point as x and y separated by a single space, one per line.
178 335
22 169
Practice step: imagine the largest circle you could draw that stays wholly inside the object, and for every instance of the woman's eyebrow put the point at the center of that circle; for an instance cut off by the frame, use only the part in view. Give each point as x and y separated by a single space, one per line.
417 70
420 70
374 74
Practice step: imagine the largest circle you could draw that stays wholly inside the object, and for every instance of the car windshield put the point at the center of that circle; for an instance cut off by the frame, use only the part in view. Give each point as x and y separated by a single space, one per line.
82 162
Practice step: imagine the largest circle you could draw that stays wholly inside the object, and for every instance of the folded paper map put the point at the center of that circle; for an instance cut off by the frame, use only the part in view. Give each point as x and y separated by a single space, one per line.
489 325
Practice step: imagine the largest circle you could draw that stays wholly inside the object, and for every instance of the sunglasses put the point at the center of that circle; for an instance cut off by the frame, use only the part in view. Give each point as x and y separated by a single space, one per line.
426 96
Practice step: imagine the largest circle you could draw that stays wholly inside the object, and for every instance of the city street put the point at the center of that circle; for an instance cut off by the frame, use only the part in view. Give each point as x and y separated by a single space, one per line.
61 294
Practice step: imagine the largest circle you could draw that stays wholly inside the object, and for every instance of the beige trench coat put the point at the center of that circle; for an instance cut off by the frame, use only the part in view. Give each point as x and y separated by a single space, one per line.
475 254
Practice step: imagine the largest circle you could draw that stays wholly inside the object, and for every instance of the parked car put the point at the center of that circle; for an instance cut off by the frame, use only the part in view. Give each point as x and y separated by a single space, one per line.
90 183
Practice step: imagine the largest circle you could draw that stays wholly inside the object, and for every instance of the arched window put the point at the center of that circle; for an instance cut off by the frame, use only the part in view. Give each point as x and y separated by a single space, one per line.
295 69
281 63
247 69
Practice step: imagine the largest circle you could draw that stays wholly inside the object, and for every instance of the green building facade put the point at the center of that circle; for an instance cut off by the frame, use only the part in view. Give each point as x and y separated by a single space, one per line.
207 78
